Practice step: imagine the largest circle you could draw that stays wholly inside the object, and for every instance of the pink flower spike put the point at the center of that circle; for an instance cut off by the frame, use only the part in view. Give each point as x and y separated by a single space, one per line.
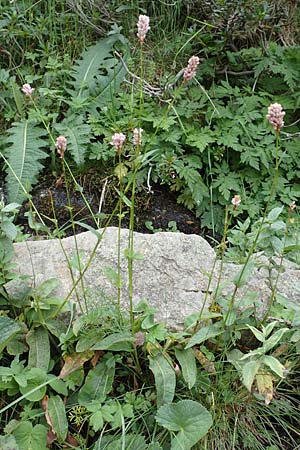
190 70
61 145
27 90
143 27
137 136
292 206
118 140
275 116
236 201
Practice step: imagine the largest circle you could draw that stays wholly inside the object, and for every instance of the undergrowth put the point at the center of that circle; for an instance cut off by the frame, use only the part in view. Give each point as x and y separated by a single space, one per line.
113 378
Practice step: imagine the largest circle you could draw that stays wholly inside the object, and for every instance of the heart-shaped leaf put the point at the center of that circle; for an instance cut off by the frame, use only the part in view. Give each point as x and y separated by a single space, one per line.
189 418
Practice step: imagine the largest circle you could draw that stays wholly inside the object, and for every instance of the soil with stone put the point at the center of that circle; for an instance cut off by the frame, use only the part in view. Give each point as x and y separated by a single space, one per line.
155 211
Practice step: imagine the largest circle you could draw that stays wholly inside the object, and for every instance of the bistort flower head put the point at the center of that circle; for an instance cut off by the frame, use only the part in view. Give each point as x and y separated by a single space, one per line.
61 145
118 140
137 136
190 70
143 27
292 206
27 90
275 116
236 201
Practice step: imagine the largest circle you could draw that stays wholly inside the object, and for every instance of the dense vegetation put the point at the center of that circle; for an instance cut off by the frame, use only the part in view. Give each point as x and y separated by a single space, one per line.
83 96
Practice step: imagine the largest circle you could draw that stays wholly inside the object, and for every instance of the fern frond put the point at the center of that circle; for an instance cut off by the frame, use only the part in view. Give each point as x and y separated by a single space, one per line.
97 73
78 136
96 64
24 152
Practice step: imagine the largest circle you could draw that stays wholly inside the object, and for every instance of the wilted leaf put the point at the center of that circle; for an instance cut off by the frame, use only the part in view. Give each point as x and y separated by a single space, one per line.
264 384
74 362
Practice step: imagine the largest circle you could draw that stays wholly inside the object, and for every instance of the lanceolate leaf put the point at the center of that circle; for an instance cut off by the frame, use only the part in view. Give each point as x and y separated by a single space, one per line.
57 418
187 363
98 382
39 348
24 152
122 341
165 378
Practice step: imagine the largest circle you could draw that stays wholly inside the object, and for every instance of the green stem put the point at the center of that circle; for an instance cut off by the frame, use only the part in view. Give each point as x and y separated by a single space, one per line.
253 246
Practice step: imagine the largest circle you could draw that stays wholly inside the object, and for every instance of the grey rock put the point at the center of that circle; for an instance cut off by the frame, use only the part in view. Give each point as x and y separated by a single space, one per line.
172 272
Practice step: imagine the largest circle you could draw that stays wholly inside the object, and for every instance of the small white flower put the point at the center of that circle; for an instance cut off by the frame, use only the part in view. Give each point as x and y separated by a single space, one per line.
27 90
236 201
118 140
190 70
143 27
61 145
275 116
137 136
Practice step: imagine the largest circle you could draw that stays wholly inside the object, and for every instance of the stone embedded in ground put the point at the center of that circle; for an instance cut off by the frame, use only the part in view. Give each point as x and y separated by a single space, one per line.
172 271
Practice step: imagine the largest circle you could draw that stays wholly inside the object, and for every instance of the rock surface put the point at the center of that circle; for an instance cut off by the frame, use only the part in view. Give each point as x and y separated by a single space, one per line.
172 271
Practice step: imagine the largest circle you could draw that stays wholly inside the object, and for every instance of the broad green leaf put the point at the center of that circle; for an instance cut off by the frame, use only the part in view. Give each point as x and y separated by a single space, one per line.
274 339
243 275
35 377
58 385
258 334
205 333
8 442
46 288
275 213
8 329
249 371
187 363
122 341
98 382
9 229
39 348
274 365
58 418
187 417
130 442
165 378
96 421
31 438
154 446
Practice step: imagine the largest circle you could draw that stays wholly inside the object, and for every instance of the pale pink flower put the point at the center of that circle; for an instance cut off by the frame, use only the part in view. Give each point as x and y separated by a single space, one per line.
118 140
139 339
292 206
27 90
190 70
61 145
137 136
275 116
236 201
143 27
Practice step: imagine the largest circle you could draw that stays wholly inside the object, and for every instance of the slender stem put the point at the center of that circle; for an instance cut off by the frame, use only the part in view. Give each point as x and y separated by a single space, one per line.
253 246
74 234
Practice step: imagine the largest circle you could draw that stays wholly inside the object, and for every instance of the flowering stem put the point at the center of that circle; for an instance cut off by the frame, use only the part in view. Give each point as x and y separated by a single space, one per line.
253 246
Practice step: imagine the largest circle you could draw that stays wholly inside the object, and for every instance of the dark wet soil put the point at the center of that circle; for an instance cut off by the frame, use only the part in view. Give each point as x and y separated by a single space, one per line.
156 211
